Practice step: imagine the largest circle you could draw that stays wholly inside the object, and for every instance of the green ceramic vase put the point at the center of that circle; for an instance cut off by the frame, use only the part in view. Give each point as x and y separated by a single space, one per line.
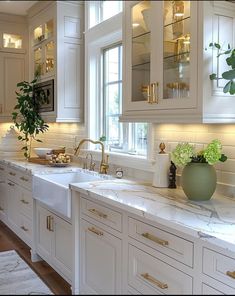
198 181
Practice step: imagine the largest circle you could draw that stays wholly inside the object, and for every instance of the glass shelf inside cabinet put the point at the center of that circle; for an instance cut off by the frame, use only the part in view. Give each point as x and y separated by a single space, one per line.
12 41
38 64
141 50
176 59
49 53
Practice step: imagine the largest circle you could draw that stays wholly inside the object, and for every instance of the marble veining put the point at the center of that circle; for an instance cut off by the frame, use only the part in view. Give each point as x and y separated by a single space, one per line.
212 220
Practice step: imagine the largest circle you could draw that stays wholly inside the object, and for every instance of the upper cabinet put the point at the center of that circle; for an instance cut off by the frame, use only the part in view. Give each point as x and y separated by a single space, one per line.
167 61
56 52
13 61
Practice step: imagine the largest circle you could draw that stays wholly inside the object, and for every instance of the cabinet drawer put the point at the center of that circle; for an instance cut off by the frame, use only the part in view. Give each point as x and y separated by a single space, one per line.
26 202
208 290
25 225
24 180
102 214
149 275
164 242
219 267
12 174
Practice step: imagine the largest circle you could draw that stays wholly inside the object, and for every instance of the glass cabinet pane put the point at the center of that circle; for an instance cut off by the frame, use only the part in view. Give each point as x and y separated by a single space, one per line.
176 57
49 54
141 50
12 41
49 29
38 64
38 34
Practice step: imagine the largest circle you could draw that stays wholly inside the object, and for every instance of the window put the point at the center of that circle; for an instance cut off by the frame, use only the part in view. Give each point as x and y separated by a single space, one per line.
100 11
122 137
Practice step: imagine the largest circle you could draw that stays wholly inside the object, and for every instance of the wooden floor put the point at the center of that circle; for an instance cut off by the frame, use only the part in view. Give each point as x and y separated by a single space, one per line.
9 241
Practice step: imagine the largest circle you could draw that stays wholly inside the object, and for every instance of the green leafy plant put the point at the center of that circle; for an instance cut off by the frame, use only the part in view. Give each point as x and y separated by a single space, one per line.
185 153
227 75
102 138
26 116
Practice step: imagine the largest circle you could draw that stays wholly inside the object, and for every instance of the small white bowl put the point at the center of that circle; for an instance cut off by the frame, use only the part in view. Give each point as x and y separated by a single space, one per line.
42 152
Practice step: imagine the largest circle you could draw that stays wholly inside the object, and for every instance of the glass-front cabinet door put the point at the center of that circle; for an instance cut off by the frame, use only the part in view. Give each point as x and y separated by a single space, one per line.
160 46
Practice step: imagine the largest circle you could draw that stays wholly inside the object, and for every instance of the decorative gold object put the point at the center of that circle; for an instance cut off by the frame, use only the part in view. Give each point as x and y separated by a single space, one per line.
178 9
162 147
154 281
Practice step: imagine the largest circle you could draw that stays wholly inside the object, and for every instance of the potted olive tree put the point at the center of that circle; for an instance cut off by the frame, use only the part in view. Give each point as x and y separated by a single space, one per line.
26 115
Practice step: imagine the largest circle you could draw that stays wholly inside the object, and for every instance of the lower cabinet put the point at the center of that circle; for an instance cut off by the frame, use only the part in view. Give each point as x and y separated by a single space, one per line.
54 241
3 192
149 275
100 261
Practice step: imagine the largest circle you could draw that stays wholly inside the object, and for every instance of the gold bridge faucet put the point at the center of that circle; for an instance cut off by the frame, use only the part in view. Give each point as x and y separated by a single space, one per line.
104 160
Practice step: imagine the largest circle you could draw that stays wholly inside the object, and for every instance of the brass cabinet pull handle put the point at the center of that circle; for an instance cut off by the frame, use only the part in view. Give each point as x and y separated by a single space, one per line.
24 228
11 184
155 239
97 232
12 174
48 221
154 88
24 201
98 213
51 223
24 179
231 274
154 281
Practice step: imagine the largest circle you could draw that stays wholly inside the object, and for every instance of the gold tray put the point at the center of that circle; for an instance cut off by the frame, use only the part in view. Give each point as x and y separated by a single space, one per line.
39 160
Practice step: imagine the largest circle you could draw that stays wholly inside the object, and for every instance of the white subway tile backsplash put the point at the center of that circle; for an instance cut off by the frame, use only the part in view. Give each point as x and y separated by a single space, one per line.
201 135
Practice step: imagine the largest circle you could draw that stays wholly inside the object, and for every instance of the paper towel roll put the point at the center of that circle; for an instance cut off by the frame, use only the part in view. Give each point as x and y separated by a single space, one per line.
161 171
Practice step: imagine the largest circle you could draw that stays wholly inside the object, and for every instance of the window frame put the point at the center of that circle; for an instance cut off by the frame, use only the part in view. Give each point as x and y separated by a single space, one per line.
97 38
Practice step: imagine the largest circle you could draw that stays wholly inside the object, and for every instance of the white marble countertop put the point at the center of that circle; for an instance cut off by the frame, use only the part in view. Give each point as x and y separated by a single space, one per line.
212 221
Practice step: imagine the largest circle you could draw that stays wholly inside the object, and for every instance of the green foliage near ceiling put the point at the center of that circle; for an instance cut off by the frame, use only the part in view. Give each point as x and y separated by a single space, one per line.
227 75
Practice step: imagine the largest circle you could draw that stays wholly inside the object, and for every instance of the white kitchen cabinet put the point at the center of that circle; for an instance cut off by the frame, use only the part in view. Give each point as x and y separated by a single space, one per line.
18 197
54 241
100 259
167 61
13 61
12 71
56 52
148 275
3 199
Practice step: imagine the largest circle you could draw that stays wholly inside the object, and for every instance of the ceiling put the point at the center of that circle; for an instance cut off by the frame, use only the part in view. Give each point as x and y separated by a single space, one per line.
16 7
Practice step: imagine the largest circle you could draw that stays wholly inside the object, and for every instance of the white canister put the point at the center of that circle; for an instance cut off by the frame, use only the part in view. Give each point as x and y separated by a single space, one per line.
161 170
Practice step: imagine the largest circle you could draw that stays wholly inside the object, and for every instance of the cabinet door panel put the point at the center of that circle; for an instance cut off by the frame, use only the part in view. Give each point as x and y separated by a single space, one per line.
62 246
13 72
12 204
100 259
43 233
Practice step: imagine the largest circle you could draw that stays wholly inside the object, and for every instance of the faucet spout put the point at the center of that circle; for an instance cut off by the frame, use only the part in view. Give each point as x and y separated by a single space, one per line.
103 164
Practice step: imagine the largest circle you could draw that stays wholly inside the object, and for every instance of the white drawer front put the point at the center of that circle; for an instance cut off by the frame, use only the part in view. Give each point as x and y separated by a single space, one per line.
102 214
25 180
12 174
149 275
26 203
208 290
219 267
165 242
25 225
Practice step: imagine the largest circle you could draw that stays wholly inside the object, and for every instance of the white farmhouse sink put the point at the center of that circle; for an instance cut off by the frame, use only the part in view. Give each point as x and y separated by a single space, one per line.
53 189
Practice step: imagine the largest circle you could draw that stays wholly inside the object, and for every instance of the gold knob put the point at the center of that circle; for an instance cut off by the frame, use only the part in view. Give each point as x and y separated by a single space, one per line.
162 147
